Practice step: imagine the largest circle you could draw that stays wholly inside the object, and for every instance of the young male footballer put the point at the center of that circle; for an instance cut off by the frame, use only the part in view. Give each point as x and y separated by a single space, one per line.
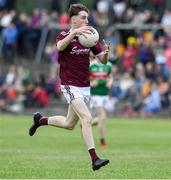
74 74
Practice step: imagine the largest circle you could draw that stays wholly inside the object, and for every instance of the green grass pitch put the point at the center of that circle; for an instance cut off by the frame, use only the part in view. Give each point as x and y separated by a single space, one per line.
138 149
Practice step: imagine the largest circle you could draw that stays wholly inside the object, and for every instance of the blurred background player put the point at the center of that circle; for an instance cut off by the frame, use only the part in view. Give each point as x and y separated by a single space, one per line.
100 81
75 85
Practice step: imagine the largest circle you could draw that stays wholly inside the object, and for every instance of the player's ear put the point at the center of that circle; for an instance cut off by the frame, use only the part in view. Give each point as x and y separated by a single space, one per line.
73 20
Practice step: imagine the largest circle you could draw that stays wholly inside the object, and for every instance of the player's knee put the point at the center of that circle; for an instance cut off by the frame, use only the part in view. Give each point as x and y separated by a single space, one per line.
70 126
102 117
87 121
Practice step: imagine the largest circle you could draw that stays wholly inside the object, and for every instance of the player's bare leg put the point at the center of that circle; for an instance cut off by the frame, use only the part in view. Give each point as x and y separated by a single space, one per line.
68 122
95 121
83 112
100 121
81 109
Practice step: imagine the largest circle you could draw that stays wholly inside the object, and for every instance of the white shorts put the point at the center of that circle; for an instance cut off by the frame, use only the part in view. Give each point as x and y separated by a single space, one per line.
73 92
98 101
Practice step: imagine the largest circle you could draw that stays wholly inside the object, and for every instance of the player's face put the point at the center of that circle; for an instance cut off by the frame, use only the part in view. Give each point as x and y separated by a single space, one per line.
82 19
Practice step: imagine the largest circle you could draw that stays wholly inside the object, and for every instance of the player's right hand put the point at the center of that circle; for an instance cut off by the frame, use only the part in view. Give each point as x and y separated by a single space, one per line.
83 30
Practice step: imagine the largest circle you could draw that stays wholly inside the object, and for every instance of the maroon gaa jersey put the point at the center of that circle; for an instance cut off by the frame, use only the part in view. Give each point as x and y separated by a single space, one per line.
74 62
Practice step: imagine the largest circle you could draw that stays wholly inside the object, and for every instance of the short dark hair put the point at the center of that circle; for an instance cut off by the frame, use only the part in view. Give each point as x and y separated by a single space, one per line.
76 8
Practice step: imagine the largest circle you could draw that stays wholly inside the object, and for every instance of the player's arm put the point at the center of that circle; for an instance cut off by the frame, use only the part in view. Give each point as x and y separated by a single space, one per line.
97 82
109 82
104 57
62 44
93 82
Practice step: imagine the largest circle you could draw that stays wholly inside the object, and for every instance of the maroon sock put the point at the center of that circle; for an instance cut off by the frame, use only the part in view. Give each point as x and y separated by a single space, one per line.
43 121
93 154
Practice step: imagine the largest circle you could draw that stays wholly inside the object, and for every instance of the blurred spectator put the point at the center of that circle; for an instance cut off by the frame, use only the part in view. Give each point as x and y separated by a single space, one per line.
152 103
145 53
139 77
34 31
129 15
146 88
126 83
119 8
22 41
6 19
44 18
64 19
130 54
11 76
53 18
166 20
149 71
9 37
141 17
116 90
40 97
51 53
101 16
23 74
164 89
159 49
53 83
168 55
36 18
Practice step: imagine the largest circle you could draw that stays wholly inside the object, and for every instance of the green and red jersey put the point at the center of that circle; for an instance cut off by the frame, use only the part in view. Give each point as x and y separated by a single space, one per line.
100 72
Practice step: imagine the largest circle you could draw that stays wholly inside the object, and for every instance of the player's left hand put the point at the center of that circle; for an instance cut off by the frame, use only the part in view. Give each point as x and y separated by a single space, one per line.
106 46
94 83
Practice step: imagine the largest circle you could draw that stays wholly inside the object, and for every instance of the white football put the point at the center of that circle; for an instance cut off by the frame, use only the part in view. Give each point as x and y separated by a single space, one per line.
90 40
